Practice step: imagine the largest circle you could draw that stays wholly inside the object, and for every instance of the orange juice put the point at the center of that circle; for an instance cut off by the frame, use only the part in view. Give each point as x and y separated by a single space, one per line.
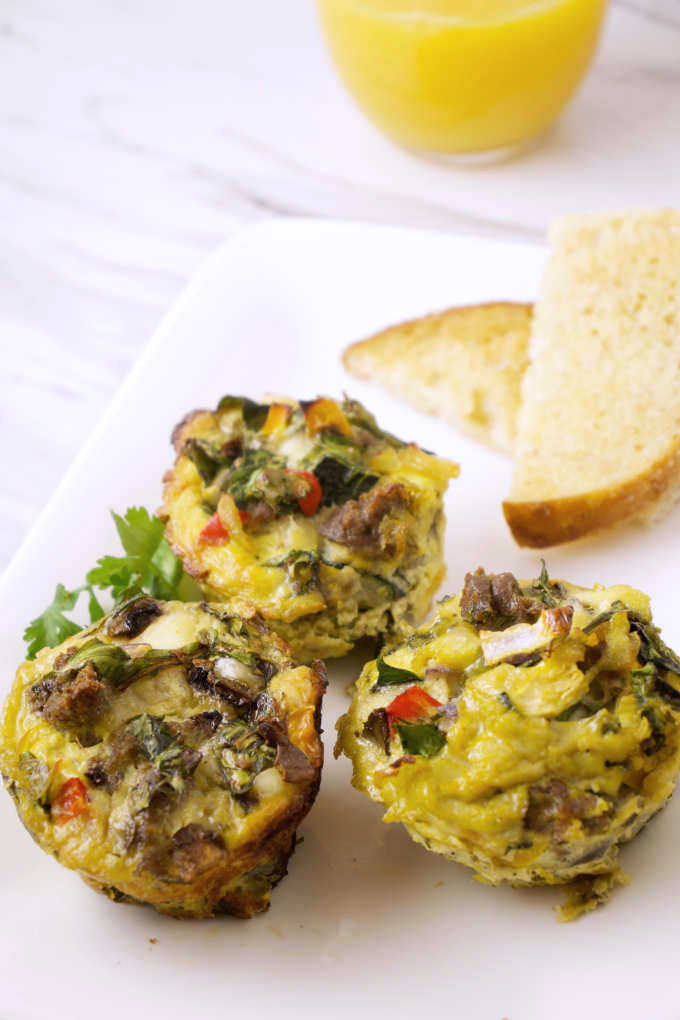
462 75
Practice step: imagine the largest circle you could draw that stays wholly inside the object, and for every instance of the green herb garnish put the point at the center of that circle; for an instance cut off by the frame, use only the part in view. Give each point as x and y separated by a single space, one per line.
148 565
52 627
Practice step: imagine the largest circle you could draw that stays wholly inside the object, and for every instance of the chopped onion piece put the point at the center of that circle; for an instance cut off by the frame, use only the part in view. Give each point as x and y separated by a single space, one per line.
444 681
449 715
443 672
136 650
231 669
269 783
498 645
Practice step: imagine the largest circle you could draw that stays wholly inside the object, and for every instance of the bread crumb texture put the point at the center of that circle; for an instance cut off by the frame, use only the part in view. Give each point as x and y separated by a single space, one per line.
598 434
464 364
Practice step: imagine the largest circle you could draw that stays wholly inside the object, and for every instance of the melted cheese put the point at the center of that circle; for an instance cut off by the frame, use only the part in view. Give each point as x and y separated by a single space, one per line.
172 630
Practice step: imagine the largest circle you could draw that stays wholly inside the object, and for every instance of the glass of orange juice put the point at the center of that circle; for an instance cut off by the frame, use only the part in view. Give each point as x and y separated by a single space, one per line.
462 76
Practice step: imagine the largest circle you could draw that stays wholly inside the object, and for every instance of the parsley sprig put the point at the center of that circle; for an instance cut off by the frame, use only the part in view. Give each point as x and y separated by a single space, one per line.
148 565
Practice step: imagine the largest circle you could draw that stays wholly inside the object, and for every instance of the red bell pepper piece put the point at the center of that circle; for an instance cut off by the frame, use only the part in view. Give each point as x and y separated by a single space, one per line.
214 532
70 801
309 503
414 703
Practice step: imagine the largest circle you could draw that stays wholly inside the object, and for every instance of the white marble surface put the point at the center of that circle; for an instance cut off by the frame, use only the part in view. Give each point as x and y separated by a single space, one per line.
136 135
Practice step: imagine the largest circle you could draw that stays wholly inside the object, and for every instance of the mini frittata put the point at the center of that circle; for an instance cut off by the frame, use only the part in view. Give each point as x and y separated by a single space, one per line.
527 732
167 753
330 527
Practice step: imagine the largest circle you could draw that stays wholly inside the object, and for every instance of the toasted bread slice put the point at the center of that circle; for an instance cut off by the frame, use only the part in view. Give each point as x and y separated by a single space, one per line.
464 364
598 438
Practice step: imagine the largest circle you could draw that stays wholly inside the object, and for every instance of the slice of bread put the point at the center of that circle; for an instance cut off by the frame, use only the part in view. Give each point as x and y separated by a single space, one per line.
465 365
598 438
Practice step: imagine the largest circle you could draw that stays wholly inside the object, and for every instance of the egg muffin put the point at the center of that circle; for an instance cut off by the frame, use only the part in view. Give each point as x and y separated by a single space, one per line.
329 526
167 753
528 731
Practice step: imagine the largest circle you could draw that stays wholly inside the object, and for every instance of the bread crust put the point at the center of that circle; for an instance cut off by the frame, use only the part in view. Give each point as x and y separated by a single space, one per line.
537 524
598 443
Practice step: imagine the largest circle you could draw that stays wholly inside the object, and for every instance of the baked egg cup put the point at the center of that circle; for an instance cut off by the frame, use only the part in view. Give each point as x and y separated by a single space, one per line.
167 754
527 732
330 527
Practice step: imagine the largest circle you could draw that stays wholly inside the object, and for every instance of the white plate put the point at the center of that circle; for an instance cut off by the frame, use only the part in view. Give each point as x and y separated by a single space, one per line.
366 920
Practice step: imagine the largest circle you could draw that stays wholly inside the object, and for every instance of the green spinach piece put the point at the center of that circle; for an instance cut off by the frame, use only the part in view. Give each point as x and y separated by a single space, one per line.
392 675
642 682
550 593
573 712
394 590
110 661
425 739
151 733
652 648
114 664
242 755
258 474
208 458
338 464
302 567
160 746
360 417
341 482
253 414
611 726
656 740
